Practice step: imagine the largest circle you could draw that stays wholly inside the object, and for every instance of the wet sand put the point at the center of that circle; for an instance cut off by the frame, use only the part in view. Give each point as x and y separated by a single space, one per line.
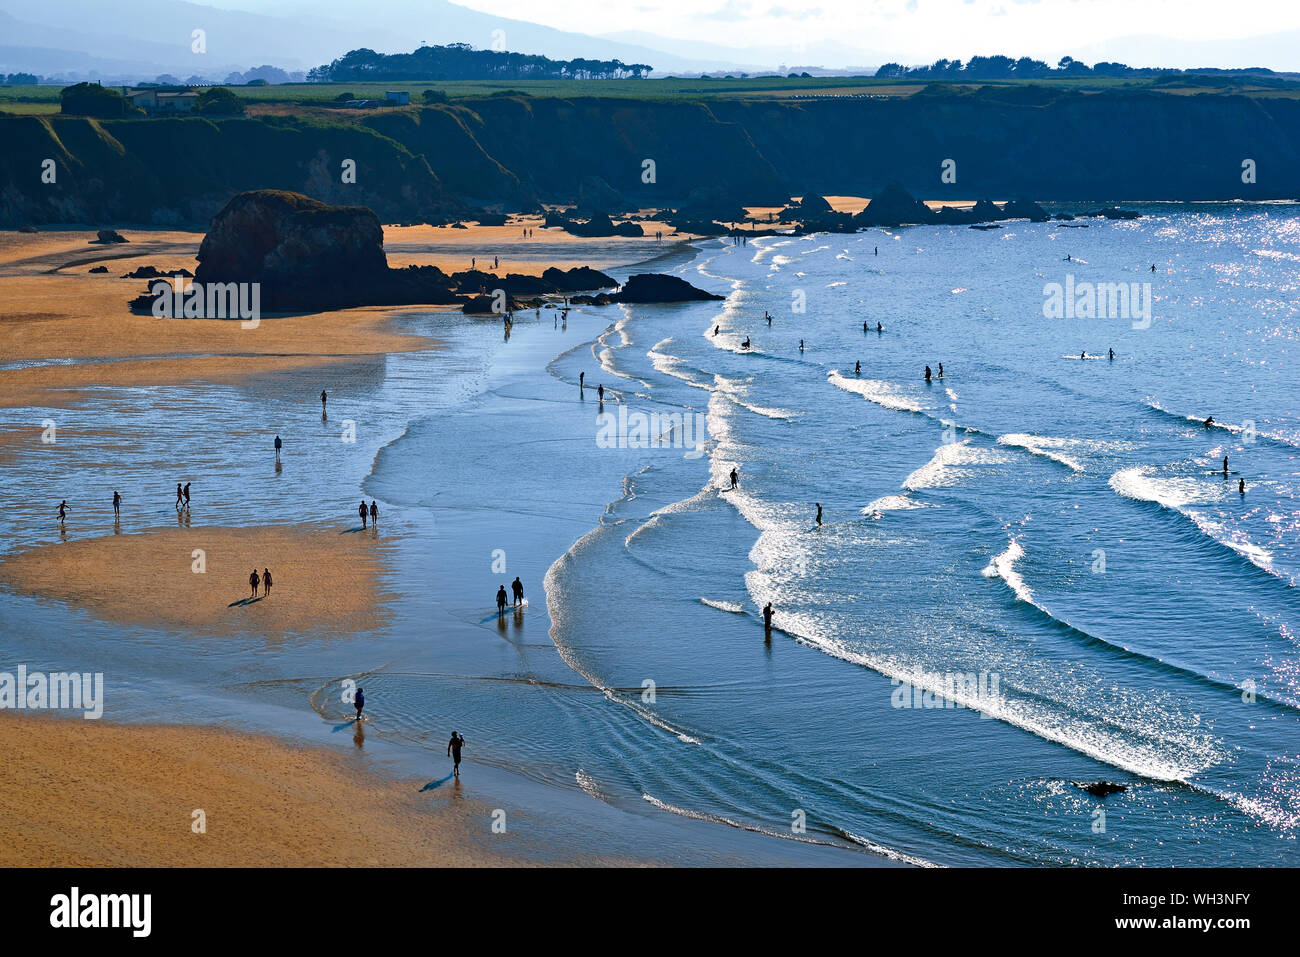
325 579
92 794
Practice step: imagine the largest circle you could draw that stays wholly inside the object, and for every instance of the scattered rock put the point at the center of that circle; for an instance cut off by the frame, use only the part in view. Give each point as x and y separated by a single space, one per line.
654 287
107 236
98 269
151 272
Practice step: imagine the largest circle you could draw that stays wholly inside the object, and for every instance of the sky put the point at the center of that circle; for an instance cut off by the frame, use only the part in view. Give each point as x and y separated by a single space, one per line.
916 31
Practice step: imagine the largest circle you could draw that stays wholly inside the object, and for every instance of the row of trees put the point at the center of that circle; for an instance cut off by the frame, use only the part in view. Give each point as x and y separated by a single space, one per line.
460 61
1005 68
19 79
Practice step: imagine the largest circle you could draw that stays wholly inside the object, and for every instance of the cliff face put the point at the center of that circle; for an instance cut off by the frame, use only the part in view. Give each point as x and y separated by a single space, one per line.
1044 143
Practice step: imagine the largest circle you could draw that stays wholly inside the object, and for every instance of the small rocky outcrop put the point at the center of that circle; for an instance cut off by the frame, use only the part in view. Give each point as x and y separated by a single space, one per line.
109 236
894 206
153 272
577 279
98 269
655 287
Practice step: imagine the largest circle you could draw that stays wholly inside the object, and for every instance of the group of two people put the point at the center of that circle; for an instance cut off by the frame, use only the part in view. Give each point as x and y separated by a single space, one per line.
264 581
373 511
517 587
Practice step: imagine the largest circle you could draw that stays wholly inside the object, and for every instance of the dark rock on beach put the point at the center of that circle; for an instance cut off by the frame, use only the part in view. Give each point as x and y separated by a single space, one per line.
153 272
653 287
98 269
894 206
579 278
307 255
107 236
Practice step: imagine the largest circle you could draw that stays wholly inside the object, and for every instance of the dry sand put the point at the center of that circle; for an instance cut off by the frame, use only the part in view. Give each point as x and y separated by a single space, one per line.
87 794
326 579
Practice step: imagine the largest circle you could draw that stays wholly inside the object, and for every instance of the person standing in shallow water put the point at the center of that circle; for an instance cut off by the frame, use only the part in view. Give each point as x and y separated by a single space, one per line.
374 514
1241 486
180 497
63 510
453 750
359 701
187 496
735 478
819 513
361 510
278 443
117 502
517 587
501 601
767 620
323 397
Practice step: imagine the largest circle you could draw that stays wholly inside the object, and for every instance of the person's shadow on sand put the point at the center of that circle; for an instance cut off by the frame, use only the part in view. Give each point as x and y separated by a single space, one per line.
245 601
349 531
433 785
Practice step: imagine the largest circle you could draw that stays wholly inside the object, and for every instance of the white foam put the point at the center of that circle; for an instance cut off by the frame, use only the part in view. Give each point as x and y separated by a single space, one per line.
889 395
1045 445
730 606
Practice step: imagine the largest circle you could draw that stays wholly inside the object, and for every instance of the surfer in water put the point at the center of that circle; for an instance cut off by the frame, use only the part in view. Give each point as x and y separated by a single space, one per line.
767 620
857 367
927 373
453 750
1209 422
819 512
359 702
517 587
1225 466
501 600
581 377
1241 486
715 329
879 327
1111 354
1083 355
745 344
940 370
735 479
801 345
768 316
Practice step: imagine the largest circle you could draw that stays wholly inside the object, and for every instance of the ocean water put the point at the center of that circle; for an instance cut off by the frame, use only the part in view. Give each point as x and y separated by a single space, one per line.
1031 574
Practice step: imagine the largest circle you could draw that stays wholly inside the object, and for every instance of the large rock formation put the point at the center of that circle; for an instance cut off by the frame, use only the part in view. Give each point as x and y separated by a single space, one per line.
306 255
654 287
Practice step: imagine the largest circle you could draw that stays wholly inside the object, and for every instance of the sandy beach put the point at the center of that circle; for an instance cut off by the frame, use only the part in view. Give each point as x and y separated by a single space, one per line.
98 795
325 579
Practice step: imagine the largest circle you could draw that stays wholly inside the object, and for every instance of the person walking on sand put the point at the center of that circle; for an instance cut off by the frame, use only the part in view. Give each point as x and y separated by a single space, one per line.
63 510
253 582
735 478
374 514
180 496
266 582
117 502
359 701
517 587
361 510
501 601
278 443
767 620
187 496
496 262
453 751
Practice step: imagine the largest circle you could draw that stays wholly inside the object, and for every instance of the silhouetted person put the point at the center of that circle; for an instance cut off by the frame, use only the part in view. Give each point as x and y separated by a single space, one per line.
801 345
63 510
1241 486
253 582
864 327
879 327
517 587
767 620
715 329
359 702
323 397
180 497
501 601
278 443
857 368
187 496
745 344
735 478
600 392
361 510
374 514
266 582
927 373
117 503
819 512
581 377
1153 267
1209 422
940 370
1225 465
453 749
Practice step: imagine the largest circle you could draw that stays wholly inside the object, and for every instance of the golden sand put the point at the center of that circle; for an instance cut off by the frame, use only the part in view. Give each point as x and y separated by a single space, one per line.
87 794
326 579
